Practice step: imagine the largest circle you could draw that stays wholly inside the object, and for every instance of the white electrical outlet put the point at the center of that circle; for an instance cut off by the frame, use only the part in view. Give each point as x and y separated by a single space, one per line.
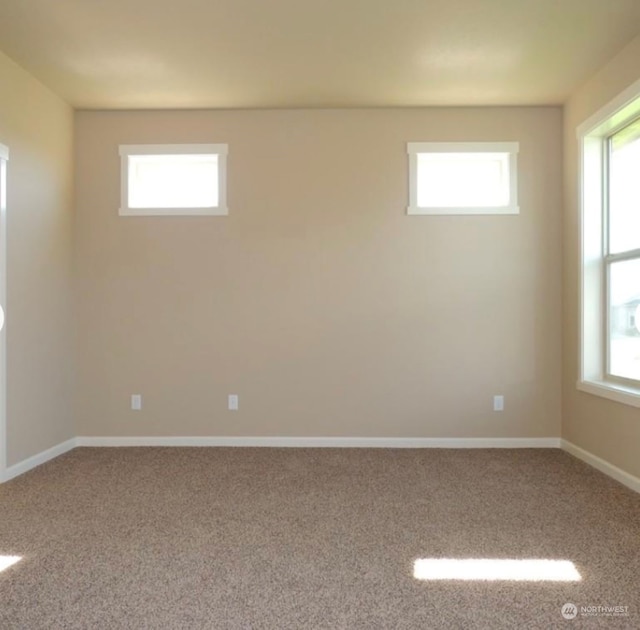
233 402
136 402
498 403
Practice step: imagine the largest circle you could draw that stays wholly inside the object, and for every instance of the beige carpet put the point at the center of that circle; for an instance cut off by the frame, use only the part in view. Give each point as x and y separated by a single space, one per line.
278 538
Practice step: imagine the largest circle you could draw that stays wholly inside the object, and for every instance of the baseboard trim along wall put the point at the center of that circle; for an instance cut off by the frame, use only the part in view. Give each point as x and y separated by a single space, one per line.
322 442
325 442
38 459
275 442
602 465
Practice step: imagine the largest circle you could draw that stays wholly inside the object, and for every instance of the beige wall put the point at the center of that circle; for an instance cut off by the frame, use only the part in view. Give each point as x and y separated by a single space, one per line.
318 301
38 129
607 429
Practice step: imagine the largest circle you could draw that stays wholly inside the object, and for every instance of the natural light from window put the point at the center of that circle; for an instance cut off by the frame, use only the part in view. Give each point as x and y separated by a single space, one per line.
624 190
624 237
173 181
609 164
448 180
472 569
466 178
8 561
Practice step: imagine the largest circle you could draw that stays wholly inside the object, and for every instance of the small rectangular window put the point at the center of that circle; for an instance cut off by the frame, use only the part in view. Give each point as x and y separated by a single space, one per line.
176 179
463 178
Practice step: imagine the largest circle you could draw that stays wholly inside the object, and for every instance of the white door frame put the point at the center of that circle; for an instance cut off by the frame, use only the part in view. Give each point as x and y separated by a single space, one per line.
4 157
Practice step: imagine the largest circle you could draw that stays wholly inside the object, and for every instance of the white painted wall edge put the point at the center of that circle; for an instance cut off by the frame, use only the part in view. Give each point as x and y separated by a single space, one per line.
322 442
602 465
40 458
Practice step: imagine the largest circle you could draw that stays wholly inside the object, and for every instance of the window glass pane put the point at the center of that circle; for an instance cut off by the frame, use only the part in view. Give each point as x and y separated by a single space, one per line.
624 189
624 319
173 181
458 180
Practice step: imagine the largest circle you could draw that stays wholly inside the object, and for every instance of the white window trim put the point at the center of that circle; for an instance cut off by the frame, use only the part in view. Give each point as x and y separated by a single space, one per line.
4 158
592 135
512 148
221 150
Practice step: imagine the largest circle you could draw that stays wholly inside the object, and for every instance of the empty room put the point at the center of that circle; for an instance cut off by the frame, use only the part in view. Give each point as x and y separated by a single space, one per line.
319 314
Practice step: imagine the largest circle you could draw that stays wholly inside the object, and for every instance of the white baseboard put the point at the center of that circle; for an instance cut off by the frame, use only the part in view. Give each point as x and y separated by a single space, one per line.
276 442
602 465
36 460
322 442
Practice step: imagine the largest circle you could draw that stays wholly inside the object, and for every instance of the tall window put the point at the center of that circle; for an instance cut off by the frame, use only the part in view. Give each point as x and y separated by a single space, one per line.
610 260
622 261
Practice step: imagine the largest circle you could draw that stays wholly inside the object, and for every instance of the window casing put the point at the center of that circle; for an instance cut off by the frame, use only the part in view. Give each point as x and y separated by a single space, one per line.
610 250
463 177
173 179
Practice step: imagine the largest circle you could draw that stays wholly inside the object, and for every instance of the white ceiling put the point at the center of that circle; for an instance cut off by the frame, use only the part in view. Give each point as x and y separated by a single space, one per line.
314 53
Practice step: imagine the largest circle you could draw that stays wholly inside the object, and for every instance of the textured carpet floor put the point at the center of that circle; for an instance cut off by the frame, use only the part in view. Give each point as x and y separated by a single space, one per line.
304 538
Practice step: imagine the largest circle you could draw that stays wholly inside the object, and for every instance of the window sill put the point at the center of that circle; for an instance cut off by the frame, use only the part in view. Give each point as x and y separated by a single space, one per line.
173 212
613 391
420 210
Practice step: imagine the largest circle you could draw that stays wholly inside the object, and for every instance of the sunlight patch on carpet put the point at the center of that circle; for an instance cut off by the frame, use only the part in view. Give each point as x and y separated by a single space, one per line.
8 561
495 569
